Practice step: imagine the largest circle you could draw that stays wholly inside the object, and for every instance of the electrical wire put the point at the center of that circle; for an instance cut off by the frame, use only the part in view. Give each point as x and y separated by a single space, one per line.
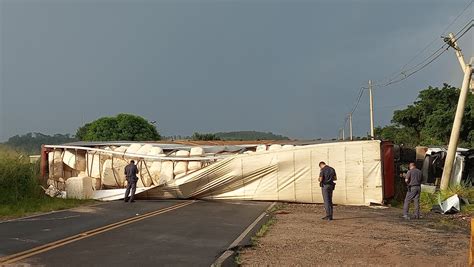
432 41
406 73
403 70
430 59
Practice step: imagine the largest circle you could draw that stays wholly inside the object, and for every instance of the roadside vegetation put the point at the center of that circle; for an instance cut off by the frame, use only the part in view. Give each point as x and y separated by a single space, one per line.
428 121
236 136
427 200
30 143
262 231
20 191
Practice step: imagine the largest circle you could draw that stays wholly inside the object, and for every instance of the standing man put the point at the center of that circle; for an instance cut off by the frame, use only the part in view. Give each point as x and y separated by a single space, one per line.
130 172
327 176
413 180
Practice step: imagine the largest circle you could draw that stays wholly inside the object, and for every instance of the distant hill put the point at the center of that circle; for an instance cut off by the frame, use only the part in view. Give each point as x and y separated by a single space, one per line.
250 135
31 142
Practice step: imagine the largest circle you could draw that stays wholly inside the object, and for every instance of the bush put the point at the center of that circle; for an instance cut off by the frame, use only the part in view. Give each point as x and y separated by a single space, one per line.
20 192
427 200
18 177
126 127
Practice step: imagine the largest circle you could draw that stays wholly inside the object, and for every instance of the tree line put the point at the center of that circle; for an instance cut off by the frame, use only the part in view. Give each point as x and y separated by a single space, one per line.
428 121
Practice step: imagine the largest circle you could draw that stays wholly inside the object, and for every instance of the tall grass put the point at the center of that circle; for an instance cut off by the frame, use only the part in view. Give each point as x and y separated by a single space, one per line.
427 200
20 192
18 177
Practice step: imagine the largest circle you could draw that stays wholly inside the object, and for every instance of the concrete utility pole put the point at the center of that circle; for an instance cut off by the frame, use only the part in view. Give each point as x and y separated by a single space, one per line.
350 125
454 138
371 98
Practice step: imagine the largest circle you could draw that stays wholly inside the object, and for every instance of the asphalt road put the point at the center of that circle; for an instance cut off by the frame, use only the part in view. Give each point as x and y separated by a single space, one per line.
194 235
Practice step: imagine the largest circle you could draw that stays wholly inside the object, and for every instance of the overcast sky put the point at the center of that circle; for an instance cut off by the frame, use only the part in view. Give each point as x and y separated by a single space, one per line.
290 67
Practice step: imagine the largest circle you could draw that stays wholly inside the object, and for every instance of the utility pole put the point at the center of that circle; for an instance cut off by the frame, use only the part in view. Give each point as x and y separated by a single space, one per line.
343 137
371 99
350 125
454 138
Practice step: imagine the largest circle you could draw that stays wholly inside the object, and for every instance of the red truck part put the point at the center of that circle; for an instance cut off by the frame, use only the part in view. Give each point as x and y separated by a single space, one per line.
388 170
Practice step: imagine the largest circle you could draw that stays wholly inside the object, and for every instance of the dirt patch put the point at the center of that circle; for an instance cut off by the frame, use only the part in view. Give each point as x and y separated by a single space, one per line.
358 236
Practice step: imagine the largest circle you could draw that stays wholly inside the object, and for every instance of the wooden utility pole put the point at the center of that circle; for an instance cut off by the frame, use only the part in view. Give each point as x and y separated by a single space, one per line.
454 138
371 99
350 126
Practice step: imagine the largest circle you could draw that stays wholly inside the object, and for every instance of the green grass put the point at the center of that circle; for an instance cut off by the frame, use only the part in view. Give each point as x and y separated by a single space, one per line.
427 200
262 231
37 205
238 259
396 204
267 225
468 209
20 191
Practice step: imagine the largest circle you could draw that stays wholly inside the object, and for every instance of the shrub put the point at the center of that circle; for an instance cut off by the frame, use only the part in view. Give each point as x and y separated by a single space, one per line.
18 177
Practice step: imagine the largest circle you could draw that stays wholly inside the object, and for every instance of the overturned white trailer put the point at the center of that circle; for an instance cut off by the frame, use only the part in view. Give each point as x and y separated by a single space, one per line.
245 172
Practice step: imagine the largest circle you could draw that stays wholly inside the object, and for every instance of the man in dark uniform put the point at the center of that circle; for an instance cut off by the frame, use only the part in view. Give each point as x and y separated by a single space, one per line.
413 180
327 176
130 172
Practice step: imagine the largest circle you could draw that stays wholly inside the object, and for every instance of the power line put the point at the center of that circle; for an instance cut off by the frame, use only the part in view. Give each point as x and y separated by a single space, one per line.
361 92
403 70
435 56
434 40
406 73
465 31
406 76
394 106
467 24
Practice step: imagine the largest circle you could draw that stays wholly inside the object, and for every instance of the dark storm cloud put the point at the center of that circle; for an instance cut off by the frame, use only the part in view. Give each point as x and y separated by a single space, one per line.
289 67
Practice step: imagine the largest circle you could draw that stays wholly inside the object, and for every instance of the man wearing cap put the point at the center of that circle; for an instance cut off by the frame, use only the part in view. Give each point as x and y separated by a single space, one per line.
130 172
327 176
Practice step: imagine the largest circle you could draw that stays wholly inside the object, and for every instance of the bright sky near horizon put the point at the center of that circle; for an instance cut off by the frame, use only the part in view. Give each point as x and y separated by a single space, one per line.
290 67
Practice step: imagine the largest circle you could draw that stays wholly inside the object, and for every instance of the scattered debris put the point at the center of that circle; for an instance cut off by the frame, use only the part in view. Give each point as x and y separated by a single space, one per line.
449 206
54 192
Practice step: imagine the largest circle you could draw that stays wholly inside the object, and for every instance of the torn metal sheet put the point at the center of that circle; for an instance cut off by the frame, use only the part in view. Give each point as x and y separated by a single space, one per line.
450 205
116 194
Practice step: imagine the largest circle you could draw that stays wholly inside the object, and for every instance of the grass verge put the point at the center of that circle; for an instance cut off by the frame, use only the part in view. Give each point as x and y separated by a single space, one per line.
267 225
39 205
261 232
20 192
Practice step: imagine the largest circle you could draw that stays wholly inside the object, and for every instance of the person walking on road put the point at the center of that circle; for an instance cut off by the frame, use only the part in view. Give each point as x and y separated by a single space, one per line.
130 172
413 179
327 176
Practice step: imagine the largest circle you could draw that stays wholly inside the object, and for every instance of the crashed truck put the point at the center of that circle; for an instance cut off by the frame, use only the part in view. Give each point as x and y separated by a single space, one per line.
276 172
431 160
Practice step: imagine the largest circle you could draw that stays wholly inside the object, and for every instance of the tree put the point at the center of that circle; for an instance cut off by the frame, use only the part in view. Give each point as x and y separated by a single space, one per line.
250 135
31 142
429 120
398 135
204 137
123 127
